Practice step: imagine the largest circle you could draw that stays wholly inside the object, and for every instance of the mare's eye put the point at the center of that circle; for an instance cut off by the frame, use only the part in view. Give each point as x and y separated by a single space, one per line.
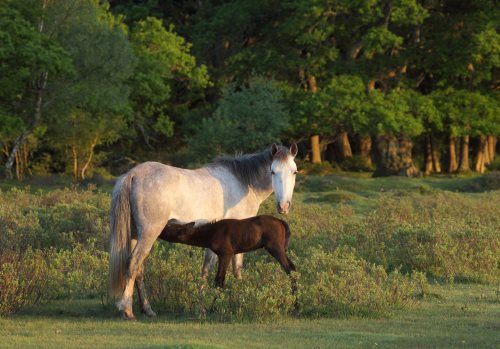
272 173
295 173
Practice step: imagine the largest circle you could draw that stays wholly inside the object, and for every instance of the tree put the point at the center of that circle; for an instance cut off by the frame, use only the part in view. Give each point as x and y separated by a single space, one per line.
247 118
305 44
91 108
395 120
27 57
166 79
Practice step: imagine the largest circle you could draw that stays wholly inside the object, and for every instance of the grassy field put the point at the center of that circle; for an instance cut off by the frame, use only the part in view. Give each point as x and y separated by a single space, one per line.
458 316
450 315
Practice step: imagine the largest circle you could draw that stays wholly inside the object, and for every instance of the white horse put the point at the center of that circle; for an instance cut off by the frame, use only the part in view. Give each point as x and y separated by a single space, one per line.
150 194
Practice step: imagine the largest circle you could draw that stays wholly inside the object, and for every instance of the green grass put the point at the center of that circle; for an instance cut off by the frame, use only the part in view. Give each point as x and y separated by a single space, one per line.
460 316
361 191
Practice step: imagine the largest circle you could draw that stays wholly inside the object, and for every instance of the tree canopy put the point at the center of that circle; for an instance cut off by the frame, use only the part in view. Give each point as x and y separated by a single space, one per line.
86 83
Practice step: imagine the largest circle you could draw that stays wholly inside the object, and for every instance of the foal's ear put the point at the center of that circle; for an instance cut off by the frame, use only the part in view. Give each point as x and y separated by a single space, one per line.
189 227
294 149
274 149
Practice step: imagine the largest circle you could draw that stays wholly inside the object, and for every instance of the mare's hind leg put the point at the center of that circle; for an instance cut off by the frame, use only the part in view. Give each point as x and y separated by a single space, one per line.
237 265
208 262
141 291
139 253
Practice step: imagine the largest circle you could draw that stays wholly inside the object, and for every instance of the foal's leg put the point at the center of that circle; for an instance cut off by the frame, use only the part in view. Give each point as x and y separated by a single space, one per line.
287 264
237 265
280 255
224 261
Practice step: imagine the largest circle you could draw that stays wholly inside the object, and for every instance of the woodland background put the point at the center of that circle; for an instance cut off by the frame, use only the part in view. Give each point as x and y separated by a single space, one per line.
90 88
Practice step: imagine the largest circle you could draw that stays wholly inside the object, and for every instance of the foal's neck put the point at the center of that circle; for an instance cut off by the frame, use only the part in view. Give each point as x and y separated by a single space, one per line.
195 238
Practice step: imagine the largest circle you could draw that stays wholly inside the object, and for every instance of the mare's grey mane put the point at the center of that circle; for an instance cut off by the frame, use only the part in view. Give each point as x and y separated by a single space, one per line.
250 169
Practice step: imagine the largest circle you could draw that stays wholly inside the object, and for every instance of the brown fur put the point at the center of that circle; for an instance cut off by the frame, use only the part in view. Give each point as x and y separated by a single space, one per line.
228 237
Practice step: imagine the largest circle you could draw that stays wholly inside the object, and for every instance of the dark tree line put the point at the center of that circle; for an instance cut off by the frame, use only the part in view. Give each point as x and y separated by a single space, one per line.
395 86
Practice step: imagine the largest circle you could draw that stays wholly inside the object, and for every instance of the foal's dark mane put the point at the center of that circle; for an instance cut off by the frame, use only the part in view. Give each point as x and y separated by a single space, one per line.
251 169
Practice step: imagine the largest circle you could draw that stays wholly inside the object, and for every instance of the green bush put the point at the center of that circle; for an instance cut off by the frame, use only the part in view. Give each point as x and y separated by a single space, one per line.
443 235
33 276
341 284
23 280
59 218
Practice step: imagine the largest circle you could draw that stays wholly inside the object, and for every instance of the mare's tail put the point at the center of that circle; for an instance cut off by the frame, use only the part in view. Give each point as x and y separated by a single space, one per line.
119 240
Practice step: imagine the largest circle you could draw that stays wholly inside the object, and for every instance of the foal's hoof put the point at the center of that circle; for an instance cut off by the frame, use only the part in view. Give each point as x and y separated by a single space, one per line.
126 315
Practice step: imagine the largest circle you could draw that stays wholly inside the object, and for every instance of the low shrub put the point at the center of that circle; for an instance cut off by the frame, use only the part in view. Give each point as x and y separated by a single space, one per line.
443 235
58 219
34 276
23 279
341 284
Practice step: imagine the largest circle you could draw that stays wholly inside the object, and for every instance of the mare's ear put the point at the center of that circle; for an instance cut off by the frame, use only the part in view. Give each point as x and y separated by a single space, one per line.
294 149
274 149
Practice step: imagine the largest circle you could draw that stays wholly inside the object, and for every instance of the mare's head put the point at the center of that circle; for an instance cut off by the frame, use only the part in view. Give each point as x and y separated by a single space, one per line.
283 171
174 229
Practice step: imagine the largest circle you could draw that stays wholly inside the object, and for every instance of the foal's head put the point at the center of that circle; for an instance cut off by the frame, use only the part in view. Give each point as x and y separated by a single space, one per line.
176 229
283 171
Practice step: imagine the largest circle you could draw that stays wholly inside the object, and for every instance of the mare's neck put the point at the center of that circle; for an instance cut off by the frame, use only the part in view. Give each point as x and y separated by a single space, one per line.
262 192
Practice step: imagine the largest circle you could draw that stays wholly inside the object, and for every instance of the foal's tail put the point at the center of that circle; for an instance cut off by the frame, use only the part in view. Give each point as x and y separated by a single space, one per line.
119 241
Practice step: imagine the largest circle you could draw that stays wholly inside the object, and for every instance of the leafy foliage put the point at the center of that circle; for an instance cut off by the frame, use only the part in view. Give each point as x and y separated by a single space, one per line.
247 118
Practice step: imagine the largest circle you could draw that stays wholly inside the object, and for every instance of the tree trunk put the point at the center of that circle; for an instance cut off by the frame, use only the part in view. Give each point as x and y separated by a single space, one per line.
436 160
89 160
492 144
428 156
453 155
13 153
315 150
394 157
343 146
481 154
75 162
464 158
365 150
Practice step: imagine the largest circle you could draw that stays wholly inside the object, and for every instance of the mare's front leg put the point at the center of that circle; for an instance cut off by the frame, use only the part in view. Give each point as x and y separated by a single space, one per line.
208 262
237 265
224 261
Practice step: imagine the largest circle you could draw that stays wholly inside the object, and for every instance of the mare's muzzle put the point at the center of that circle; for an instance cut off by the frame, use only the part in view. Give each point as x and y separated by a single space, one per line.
283 207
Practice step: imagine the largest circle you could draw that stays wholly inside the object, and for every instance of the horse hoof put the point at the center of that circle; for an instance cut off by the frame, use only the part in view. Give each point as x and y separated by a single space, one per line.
149 313
129 316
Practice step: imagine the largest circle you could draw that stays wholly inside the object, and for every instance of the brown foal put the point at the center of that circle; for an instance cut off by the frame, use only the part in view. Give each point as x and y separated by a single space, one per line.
228 237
